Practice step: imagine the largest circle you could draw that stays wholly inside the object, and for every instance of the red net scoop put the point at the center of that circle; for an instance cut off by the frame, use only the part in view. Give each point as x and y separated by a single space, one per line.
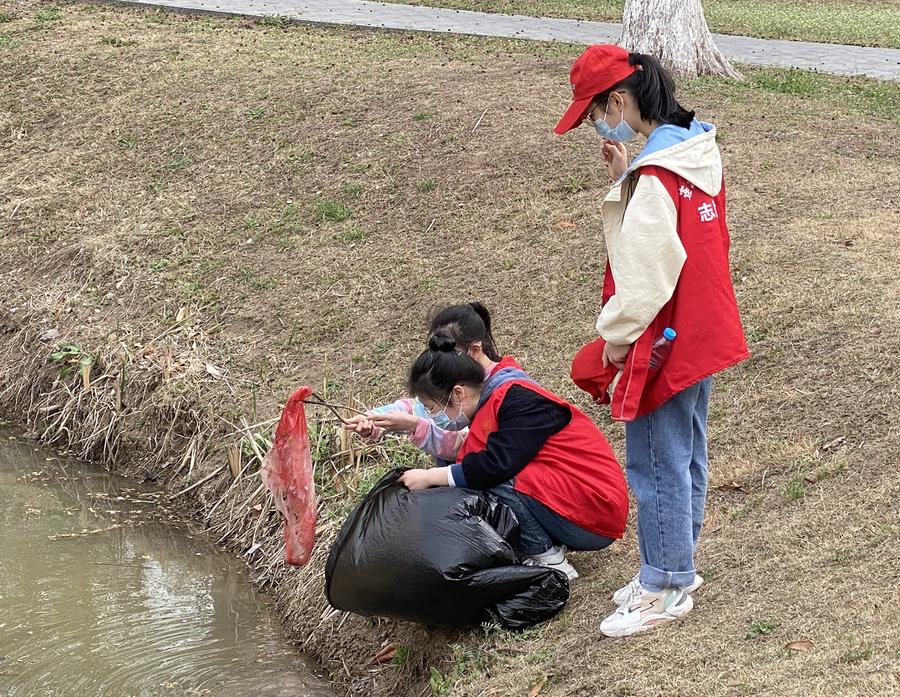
287 472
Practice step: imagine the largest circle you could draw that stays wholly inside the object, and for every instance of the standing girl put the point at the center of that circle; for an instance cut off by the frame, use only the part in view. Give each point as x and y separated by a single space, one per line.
667 246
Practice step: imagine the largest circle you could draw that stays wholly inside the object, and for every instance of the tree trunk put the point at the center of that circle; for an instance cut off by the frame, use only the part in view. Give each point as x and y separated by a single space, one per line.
675 31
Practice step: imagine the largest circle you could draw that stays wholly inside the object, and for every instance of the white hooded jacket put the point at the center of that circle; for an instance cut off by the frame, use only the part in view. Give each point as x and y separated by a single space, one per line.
643 245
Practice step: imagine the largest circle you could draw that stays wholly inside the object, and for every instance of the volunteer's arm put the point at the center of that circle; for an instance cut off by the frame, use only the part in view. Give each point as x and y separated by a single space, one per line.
646 262
525 421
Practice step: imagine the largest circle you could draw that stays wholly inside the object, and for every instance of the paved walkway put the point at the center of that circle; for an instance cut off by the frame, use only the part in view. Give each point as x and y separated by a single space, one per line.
880 63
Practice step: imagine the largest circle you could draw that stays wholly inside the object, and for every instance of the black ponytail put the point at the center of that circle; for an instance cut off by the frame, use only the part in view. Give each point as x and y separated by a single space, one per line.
439 369
467 324
654 91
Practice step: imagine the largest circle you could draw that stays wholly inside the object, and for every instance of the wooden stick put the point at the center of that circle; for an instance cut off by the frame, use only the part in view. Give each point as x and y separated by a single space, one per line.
234 483
254 446
234 461
333 407
202 481
252 426
479 120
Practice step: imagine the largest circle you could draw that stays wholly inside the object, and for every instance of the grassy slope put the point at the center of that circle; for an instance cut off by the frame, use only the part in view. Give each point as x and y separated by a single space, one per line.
832 21
156 162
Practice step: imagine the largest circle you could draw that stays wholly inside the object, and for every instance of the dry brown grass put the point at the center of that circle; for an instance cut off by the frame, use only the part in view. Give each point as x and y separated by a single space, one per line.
154 163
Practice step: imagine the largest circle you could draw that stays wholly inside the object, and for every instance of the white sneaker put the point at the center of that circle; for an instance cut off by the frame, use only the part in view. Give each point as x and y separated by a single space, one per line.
645 610
622 596
553 558
693 585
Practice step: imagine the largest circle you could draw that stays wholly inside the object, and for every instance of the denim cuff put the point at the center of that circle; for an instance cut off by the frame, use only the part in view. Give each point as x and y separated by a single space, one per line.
655 580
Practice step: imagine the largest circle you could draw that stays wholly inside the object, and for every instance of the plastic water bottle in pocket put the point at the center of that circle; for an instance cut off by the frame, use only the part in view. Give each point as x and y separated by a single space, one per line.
662 347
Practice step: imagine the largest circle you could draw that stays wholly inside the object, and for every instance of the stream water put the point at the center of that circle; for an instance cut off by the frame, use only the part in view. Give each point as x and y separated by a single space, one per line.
99 597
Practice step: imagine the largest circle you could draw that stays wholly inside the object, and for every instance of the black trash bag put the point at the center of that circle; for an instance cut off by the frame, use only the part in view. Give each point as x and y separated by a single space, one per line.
442 556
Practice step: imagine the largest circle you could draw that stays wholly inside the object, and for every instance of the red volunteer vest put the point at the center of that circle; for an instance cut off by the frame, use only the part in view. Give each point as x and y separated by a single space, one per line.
504 362
703 309
575 474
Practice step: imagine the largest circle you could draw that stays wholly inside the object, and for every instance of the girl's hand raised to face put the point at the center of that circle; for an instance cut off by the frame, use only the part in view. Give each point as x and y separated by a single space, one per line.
615 156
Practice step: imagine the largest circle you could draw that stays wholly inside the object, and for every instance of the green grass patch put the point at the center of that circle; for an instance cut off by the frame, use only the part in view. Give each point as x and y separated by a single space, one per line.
467 662
862 95
117 42
275 21
127 142
761 628
49 14
787 82
575 184
191 287
70 357
326 280
829 472
858 23
255 280
175 231
179 162
332 211
858 652
7 17
440 684
426 186
287 226
402 656
353 190
831 21
795 489
351 235
840 557
540 656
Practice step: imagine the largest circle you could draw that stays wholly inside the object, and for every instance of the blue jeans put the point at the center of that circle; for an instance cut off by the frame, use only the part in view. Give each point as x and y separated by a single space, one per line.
666 463
541 528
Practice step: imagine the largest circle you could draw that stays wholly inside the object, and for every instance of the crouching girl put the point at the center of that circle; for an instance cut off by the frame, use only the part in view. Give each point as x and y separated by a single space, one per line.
541 456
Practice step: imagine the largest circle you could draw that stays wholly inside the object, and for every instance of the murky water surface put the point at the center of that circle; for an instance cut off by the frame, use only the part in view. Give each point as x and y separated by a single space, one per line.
98 599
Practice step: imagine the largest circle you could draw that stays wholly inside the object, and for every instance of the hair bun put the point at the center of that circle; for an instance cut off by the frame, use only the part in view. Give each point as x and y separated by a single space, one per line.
441 341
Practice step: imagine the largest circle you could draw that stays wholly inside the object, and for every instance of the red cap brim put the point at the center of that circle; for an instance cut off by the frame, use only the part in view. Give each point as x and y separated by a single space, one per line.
573 116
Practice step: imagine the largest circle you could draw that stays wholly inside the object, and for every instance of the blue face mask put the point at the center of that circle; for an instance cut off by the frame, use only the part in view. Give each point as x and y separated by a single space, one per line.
620 133
441 420
457 423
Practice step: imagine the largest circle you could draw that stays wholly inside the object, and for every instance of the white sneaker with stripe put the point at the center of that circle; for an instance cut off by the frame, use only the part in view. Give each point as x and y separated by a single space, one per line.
645 610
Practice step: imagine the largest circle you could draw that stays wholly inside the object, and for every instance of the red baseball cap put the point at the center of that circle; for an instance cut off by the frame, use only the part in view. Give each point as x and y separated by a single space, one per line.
596 70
